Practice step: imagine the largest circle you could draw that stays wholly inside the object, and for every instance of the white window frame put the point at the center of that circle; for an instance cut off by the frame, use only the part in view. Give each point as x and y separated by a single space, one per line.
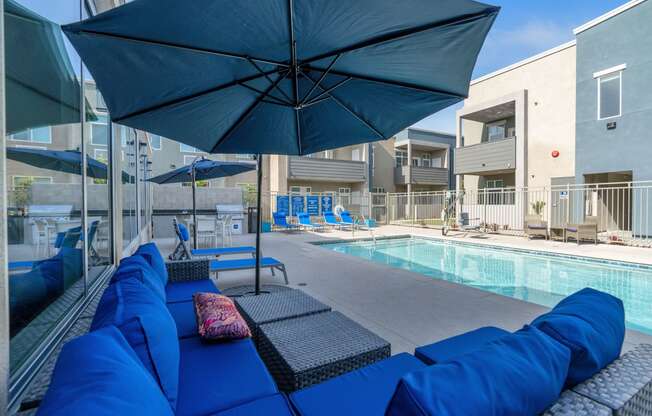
106 124
426 162
193 149
14 177
151 142
105 151
608 74
497 123
31 136
300 190
416 159
356 155
188 159
400 155
494 183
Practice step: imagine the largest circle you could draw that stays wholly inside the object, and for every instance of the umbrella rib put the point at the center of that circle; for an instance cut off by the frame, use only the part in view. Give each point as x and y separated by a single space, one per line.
406 33
177 46
252 62
190 97
277 100
323 75
353 113
389 82
317 99
246 113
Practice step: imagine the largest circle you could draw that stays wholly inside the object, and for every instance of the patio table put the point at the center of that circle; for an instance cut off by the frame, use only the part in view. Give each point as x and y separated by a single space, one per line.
277 306
305 351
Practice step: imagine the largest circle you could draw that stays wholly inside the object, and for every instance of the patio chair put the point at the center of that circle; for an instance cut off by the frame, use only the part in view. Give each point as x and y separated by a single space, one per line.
182 252
347 220
534 226
281 222
586 231
465 223
271 263
331 220
306 224
207 231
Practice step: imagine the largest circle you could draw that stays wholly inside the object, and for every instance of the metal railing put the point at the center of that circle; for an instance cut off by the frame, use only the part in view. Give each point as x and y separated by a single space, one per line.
623 210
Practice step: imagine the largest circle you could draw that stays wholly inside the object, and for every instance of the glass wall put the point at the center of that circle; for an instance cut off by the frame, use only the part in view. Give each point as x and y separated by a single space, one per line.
128 164
44 170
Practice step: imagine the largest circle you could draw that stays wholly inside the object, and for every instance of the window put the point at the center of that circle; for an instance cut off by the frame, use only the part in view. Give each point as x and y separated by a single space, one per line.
378 190
345 195
610 95
99 101
188 149
27 181
36 135
401 158
245 156
496 130
155 141
100 131
425 161
300 190
436 162
416 162
198 184
355 154
495 183
187 159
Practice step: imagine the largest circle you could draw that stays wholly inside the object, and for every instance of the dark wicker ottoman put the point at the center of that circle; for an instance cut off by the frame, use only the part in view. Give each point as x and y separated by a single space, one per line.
305 351
273 307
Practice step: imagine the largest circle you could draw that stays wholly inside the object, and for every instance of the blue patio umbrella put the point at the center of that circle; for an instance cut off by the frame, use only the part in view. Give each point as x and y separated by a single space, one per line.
200 170
281 76
67 161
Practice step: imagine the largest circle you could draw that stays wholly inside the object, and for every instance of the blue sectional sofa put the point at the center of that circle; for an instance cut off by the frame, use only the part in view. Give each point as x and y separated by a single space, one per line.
143 356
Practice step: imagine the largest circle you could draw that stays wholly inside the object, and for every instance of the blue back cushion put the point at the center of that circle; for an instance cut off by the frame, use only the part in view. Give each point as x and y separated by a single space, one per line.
185 235
147 325
153 256
99 374
138 268
592 325
518 374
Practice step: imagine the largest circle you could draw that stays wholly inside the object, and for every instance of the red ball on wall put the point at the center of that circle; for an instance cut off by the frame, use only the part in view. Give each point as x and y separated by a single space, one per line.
555 153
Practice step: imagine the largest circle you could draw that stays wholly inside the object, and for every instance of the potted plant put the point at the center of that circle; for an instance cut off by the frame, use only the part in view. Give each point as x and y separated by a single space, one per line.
537 207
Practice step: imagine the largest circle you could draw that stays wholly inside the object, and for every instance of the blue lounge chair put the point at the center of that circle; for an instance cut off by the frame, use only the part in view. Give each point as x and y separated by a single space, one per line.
281 222
347 220
182 252
331 220
271 263
304 222
65 239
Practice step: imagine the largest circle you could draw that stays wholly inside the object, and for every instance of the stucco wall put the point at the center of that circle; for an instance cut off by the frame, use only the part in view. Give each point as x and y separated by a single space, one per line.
549 123
623 39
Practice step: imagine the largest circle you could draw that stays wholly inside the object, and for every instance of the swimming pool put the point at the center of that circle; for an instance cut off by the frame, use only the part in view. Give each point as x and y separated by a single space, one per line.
531 276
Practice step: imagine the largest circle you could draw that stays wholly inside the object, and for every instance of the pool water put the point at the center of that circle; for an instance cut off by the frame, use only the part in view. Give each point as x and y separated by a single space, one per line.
531 276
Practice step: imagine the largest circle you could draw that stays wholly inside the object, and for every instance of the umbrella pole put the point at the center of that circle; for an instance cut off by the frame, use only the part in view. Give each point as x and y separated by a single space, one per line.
194 207
259 219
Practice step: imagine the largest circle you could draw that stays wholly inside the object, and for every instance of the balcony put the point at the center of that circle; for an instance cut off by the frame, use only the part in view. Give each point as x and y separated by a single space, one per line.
421 175
485 158
326 170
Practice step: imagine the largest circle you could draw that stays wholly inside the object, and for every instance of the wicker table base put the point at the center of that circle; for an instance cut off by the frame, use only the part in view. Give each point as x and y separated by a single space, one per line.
273 307
305 351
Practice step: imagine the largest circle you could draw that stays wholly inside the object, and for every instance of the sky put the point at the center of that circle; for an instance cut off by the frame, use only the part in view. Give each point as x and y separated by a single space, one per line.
524 28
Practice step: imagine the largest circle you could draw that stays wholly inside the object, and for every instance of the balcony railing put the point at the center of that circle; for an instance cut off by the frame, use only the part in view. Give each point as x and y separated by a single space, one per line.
326 170
482 158
420 175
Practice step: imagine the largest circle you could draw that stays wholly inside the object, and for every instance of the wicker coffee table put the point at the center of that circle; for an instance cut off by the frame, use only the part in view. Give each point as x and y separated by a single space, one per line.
305 351
273 307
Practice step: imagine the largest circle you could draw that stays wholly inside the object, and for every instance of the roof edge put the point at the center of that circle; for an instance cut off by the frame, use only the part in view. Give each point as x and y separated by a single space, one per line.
607 16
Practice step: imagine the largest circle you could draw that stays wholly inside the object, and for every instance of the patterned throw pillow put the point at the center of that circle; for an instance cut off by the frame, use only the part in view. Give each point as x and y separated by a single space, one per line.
218 318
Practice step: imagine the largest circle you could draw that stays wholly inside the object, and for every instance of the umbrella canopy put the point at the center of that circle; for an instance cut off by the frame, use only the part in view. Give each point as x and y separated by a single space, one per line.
67 161
281 76
42 87
205 169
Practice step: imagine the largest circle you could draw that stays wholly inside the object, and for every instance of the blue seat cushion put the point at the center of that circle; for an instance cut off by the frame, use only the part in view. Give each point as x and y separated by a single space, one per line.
218 376
99 374
365 391
460 344
153 256
592 325
183 291
185 235
518 374
147 326
275 405
137 267
185 317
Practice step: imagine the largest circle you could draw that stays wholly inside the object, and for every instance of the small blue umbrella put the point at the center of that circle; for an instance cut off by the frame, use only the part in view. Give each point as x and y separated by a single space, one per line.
201 170
67 161
281 76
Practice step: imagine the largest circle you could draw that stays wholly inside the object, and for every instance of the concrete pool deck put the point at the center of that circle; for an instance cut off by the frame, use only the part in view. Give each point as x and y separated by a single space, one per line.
407 308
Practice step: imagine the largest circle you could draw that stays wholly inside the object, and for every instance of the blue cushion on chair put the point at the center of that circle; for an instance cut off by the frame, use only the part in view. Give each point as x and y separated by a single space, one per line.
185 317
185 235
148 327
183 291
137 267
275 405
592 325
218 376
365 391
461 344
518 374
99 374
153 256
